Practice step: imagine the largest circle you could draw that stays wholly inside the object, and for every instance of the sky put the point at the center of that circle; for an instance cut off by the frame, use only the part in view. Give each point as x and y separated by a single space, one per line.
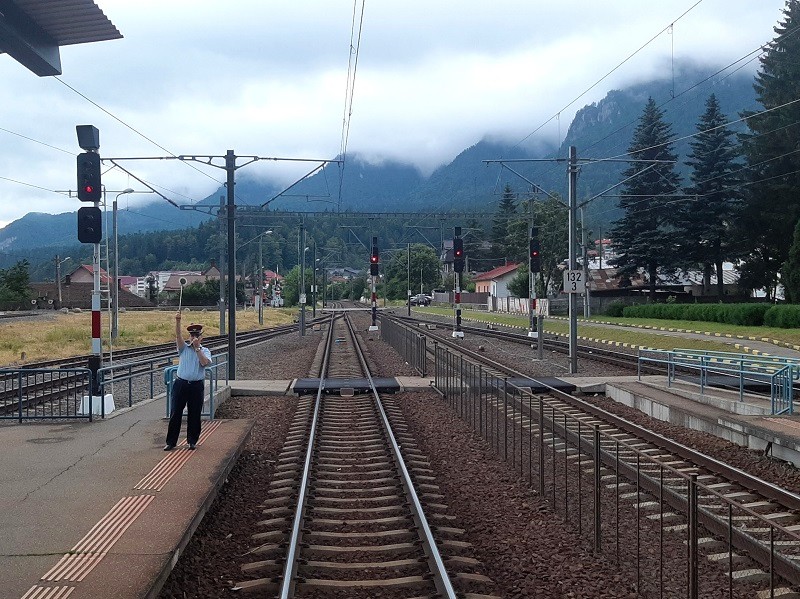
270 79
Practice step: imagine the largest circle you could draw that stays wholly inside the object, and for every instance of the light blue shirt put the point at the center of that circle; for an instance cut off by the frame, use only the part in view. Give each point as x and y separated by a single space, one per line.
189 368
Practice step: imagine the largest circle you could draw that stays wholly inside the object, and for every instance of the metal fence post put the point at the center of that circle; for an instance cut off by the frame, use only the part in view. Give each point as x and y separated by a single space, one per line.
693 537
597 465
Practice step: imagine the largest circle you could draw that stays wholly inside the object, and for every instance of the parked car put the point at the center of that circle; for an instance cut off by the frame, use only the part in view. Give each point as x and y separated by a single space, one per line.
420 300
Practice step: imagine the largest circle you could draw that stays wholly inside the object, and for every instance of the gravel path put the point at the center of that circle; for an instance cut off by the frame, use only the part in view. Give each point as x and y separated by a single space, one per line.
527 550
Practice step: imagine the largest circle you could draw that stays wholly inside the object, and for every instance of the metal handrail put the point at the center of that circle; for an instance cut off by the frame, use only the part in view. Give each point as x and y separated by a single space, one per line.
779 373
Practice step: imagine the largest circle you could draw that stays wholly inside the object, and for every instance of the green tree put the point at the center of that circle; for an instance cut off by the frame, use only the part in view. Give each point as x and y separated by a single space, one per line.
791 270
643 236
424 263
705 219
14 283
551 218
506 210
771 203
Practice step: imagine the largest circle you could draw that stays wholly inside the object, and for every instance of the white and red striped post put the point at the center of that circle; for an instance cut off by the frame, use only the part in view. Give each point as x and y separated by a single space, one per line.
374 325
95 360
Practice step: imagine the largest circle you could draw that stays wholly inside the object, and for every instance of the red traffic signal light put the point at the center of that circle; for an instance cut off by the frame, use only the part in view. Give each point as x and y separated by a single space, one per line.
374 258
458 248
89 168
535 257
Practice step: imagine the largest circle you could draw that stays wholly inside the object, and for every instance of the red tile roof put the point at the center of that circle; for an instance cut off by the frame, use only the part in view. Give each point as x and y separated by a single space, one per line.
498 272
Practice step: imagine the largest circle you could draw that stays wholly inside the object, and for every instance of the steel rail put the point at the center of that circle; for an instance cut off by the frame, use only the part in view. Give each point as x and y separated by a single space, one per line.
436 564
769 490
295 536
784 566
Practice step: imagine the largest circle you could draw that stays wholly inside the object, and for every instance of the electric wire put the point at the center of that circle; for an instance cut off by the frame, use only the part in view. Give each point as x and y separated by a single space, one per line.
352 68
136 131
596 83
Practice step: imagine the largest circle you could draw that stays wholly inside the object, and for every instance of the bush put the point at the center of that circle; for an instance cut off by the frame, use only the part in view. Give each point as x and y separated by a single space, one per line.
739 314
615 309
784 316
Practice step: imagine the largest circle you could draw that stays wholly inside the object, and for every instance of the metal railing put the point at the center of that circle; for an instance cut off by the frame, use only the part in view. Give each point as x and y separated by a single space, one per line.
45 393
737 370
584 475
409 344
63 393
218 362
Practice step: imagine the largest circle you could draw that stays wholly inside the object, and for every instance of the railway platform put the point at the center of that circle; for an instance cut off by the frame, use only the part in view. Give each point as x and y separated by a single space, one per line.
98 510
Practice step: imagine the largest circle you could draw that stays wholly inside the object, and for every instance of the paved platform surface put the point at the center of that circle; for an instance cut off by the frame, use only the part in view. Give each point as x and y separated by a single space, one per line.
99 510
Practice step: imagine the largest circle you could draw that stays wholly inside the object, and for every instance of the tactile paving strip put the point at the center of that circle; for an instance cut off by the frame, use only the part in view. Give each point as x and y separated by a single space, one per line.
37 592
84 556
159 476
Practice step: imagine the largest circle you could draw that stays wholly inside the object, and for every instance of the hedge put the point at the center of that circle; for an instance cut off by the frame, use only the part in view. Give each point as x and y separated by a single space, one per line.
739 314
785 316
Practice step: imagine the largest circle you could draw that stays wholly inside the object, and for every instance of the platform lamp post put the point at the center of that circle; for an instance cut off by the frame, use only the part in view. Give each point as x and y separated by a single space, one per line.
59 262
115 285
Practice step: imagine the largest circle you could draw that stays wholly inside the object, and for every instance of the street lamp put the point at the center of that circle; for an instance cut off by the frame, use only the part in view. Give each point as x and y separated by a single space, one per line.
115 281
59 262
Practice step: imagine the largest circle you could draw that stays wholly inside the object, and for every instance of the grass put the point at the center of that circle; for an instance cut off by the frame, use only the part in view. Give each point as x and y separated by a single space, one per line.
54 335
785 335
630 336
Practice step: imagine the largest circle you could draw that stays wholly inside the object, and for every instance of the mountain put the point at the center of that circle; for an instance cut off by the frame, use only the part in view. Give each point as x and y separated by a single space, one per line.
599 130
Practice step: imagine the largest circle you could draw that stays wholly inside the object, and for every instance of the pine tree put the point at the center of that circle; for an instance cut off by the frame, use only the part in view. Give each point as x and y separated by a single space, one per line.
705 218
506 210
772 204
642 236
790 275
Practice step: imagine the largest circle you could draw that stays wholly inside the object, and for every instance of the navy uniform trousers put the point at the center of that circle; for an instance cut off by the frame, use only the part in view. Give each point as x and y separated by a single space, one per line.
185 393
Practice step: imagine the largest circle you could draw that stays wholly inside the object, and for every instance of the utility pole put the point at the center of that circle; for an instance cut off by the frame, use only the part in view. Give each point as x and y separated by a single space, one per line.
230 170
302 279
222 266
573 300
586 307
408 282
260 279
314 284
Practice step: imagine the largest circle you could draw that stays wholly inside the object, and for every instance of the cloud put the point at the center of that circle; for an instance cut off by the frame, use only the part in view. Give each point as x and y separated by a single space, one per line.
268 79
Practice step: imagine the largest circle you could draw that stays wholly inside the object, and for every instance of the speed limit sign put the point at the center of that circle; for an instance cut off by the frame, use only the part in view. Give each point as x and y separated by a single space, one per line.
574 281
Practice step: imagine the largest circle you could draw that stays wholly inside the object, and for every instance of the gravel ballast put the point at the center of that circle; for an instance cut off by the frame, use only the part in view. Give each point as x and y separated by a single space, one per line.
526 549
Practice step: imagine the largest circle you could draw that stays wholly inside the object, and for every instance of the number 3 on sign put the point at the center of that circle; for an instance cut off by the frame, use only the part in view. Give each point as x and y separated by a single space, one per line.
574 281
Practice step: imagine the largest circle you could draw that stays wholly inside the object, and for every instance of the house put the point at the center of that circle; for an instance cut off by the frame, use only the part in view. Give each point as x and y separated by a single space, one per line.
173 281
85 274
494 284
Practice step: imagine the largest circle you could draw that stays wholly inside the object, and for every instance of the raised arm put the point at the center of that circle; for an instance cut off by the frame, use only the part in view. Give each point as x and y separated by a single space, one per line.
179 343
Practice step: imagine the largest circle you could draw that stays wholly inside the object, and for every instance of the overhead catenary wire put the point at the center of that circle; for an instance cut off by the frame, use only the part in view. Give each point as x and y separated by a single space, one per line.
352 68
596 83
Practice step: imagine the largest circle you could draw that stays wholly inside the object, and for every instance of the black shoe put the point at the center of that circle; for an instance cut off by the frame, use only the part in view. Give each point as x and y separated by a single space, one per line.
168 447
192 446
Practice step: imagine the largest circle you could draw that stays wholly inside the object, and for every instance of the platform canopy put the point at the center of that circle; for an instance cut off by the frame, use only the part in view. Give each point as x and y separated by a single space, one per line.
32 31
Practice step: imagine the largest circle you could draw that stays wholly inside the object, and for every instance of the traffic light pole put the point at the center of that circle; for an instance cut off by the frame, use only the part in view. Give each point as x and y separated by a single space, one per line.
374 265
457 332
458 267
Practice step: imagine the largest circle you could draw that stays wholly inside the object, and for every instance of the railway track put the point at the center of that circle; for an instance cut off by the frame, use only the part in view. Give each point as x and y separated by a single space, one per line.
44 386
367 519
551 343
746 525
